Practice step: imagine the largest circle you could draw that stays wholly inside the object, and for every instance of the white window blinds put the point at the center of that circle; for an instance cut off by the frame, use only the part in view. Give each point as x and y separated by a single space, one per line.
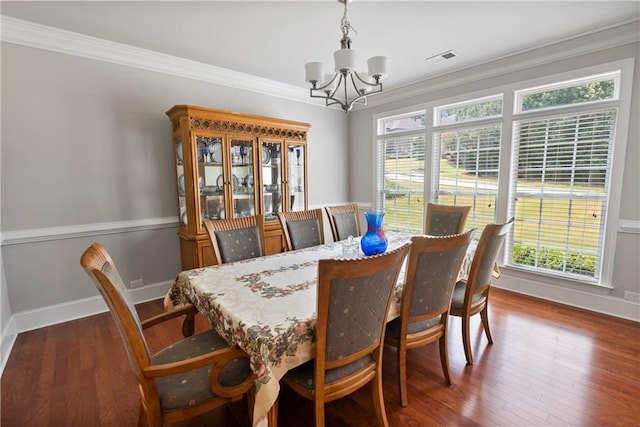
402 184
559 187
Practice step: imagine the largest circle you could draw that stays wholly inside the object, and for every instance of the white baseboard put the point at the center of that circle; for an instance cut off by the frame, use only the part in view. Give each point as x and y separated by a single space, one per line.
9 335
58 313
592 301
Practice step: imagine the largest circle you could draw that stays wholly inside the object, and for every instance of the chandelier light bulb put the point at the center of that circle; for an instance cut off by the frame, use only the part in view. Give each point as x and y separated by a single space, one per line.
314 71
377 67
345 60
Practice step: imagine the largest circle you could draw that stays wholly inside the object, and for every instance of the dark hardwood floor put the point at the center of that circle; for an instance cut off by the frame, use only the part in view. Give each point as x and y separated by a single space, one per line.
550 365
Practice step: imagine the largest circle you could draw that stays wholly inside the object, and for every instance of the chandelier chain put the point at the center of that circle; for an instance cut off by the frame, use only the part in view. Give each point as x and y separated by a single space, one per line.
346 26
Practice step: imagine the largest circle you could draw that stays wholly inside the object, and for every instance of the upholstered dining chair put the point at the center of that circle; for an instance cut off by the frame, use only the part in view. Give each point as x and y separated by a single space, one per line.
432 272
443 220
344 221
236 239
471 296
193 376
302 229
353 301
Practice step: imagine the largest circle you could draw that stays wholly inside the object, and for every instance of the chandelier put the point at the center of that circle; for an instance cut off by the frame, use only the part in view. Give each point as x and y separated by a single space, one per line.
346 87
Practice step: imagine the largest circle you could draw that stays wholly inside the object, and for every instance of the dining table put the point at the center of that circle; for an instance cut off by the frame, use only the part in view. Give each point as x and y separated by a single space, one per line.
267 307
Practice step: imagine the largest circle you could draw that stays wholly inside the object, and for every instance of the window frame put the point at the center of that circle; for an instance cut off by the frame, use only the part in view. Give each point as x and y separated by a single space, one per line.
510 116
378 157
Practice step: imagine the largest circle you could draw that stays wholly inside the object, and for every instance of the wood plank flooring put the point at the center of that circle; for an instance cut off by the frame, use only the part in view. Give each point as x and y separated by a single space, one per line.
550 365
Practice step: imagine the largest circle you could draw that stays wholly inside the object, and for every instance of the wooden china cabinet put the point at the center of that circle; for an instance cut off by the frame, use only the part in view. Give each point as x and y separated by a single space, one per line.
231 165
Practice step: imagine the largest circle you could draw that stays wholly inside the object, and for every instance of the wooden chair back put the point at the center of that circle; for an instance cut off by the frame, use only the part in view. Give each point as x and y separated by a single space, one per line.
443 220
484 261
302 229
236 239
472 295
102 270
432 271
344 221
201 368
354 296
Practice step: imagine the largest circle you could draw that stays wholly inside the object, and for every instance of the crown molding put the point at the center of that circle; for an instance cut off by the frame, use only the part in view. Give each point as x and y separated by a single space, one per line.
40 36
571 47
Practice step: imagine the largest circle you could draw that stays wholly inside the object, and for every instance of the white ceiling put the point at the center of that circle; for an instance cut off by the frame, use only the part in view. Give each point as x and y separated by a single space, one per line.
274 40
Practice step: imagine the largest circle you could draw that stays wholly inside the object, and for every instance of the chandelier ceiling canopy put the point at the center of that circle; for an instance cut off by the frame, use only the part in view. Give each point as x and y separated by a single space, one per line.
346 87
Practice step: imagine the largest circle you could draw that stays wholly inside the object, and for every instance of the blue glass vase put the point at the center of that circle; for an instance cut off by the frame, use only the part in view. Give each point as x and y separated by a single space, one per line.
374 241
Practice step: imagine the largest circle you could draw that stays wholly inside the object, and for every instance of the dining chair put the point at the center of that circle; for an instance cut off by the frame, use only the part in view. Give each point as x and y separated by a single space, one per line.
471 296
302 229
352 305
193 376
443 220
236 239
432 271
344 221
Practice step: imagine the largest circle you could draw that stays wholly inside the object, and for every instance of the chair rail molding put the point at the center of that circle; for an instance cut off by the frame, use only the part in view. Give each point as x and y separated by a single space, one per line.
628 226
17 237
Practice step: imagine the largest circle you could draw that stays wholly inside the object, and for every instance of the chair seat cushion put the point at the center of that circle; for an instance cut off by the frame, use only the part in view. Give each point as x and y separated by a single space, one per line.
303 374
457 300
393 327
193 387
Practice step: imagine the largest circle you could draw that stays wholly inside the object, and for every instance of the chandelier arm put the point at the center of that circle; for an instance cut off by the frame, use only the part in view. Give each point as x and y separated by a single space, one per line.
330 95
377 82
322 88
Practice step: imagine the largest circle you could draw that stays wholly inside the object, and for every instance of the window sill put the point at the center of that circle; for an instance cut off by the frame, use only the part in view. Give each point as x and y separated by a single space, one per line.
590 286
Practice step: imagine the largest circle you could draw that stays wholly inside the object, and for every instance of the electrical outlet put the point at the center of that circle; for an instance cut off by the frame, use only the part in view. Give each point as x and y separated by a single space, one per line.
136 283
632 296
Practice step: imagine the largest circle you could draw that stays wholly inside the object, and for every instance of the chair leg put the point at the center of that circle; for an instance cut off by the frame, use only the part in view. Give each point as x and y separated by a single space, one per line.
188 325
466 339
251 401
319 409
378 400
142 417
444 358
402 374
484 315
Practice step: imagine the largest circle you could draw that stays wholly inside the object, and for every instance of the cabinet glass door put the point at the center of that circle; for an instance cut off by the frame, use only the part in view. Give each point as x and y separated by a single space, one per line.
271 178
210 169
295 176
242 179
182 194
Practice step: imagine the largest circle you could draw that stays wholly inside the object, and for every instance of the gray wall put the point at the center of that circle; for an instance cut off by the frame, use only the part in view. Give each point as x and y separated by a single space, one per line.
86 143
86 154
627 252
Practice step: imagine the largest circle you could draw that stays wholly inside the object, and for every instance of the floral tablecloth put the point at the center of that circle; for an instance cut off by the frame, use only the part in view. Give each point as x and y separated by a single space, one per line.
267 306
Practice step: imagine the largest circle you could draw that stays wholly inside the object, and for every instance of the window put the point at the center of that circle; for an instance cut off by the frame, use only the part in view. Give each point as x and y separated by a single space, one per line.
550 164
401 162
590 89
466 172
560 175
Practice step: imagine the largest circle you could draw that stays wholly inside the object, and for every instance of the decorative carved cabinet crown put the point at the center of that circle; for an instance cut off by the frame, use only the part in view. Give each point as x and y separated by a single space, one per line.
231 165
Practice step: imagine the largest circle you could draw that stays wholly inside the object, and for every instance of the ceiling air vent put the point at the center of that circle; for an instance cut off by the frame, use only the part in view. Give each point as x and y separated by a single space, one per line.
449 54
